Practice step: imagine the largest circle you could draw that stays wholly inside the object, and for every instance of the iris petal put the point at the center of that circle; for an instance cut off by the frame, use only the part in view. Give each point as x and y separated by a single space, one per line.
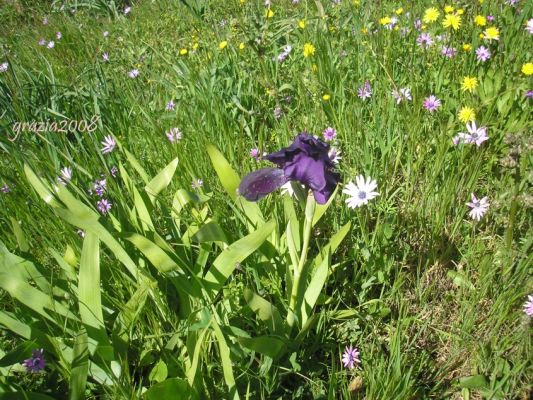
258 184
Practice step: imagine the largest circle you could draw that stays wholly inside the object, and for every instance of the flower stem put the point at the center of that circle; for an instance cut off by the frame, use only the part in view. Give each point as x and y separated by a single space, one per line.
308 224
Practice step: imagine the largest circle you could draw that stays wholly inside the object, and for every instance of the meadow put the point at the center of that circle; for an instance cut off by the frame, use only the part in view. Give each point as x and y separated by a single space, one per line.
380 245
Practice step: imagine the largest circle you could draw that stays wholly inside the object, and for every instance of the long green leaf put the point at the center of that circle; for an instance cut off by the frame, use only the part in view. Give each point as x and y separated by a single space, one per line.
89 298
80 367
227 368
225 263
265 311
161 180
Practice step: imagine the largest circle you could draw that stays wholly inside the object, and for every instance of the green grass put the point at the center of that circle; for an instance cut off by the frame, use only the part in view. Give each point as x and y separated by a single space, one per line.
138 309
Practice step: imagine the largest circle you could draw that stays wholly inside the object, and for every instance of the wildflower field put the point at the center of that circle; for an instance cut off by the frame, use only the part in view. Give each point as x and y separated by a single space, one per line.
277 199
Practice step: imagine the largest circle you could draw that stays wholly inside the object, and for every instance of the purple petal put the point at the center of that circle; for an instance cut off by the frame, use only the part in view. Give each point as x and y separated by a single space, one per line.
258 184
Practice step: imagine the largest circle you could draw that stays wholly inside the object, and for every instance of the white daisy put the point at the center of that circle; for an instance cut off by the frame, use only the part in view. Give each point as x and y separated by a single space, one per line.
66 175
478 207
361 193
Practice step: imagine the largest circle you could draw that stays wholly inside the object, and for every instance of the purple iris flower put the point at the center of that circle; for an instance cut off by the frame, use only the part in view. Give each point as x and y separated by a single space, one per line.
306 160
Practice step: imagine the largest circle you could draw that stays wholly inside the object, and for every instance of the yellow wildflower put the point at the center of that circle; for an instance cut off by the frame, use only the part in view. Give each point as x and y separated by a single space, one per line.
460 11
241 46
466 114
430 15
326 97
269 13
301 23
481 36
183 52
452 20
309 50
448 9
399 11
222 45
195 46
492 33
364 31
480 20
467 47
469 83
527 69
385 20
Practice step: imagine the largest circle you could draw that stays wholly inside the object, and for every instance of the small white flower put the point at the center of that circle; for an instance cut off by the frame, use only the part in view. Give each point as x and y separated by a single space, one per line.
127 10
478 207
476 135
335 155
4 66
108 144
58 35
361 193
134 73
66 176
51 44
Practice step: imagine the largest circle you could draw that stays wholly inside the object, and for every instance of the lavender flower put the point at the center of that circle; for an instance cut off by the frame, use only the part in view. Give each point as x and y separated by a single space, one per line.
490 18
105 56
418 24
329 134
528 306
134 73
65 176
478 207
255 153
58 35
476 135
424 40
108 144
5 189
174 135
529 94
306 160
432 103
45 21
170 106
448 52
350 357
113 171
4 66
100 187
365 91
42 42
36 363
285 53
482 53
103 206
402 94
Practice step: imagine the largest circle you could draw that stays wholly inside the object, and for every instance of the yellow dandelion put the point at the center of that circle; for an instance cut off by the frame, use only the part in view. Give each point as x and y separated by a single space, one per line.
183 52
301 23
364 31
481 36
448 9
466 114
269 13
326 97
195 46
423 27
222 45
385 20
452 21
469 83
467 47
241 46
399 11
527 69
460 11
309 50
492 33
480 20
430 15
